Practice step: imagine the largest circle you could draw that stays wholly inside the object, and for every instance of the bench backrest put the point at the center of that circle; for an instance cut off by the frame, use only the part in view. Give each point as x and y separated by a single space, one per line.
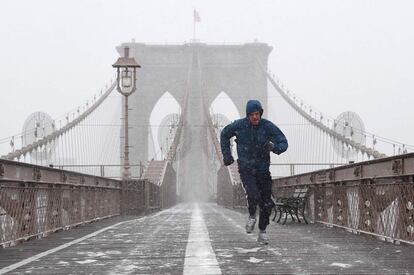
300 192
289 193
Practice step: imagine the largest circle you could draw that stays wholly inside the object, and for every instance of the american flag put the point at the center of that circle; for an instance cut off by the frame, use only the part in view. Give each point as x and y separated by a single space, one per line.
196 16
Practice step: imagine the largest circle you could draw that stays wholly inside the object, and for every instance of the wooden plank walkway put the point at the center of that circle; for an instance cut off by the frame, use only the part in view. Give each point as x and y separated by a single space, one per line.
207 239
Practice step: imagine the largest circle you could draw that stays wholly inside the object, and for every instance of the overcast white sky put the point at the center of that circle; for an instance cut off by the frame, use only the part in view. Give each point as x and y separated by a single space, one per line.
354 55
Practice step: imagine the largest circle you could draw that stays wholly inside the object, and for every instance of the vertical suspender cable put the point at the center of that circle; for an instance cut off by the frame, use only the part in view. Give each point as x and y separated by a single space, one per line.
84 145
57 150
67 153
71 145
91 147
307 147
326 149
79 147
321 145
76 148
302 146
87 148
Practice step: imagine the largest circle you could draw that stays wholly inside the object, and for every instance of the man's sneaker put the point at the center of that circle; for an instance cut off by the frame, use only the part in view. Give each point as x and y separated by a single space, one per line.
263 238
250 224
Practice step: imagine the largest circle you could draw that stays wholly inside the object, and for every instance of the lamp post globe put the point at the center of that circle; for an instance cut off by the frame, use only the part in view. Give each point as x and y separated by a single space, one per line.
126 69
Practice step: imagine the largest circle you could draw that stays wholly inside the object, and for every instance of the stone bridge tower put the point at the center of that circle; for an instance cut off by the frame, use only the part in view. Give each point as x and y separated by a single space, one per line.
205 71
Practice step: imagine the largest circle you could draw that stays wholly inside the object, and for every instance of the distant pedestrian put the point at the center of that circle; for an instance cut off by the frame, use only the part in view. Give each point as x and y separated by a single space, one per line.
256 137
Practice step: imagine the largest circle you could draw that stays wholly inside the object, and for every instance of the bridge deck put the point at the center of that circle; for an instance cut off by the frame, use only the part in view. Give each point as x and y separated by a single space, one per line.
204 239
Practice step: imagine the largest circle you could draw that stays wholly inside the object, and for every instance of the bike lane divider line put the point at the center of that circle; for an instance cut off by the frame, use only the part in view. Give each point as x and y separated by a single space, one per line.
199 255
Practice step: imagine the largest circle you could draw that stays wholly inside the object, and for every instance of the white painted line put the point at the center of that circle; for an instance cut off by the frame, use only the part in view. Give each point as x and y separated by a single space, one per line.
63 246
199 255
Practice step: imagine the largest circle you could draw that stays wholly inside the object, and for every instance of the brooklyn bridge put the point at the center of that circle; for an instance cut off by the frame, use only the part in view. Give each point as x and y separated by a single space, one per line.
133 181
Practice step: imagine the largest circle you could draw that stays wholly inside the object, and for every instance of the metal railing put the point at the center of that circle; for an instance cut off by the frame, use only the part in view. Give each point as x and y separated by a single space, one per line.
113 171
374 197
140 196
290 169
36 200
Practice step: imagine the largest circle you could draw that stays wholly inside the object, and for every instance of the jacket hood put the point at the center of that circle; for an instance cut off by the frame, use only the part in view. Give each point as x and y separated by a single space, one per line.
253 106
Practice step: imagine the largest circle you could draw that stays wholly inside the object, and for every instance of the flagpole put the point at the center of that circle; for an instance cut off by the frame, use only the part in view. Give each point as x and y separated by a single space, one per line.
194 34
196 18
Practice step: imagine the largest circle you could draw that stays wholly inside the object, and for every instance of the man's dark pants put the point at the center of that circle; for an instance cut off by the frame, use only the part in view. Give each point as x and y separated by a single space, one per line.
258 188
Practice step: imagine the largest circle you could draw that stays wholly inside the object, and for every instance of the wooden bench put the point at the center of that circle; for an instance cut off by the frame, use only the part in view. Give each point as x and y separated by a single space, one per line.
291 203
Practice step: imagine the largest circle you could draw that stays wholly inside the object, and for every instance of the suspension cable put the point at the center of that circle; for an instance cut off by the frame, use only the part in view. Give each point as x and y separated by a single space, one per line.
58 133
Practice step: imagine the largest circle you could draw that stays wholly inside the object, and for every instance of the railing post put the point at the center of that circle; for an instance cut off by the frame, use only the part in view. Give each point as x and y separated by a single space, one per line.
124 199
102 171
292 169
147 194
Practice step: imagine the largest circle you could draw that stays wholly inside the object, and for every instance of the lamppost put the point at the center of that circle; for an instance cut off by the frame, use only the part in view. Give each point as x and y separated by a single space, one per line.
126 84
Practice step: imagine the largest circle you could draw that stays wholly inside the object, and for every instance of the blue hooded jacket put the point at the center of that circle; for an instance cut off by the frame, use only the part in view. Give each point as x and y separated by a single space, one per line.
251 138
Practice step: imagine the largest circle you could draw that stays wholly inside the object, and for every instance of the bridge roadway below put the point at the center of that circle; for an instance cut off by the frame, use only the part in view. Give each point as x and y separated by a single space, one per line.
204 239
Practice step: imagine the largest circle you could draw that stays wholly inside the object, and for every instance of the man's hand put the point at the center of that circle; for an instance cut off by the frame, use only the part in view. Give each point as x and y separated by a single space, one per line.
269 146
228 160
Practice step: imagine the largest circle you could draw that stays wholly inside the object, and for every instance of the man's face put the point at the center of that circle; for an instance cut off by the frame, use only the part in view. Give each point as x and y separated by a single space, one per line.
254 118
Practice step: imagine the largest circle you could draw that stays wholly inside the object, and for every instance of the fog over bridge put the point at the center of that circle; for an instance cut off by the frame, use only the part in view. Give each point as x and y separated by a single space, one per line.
137 184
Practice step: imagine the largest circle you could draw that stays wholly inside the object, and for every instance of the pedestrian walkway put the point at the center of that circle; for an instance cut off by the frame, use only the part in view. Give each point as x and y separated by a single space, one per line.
210 239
